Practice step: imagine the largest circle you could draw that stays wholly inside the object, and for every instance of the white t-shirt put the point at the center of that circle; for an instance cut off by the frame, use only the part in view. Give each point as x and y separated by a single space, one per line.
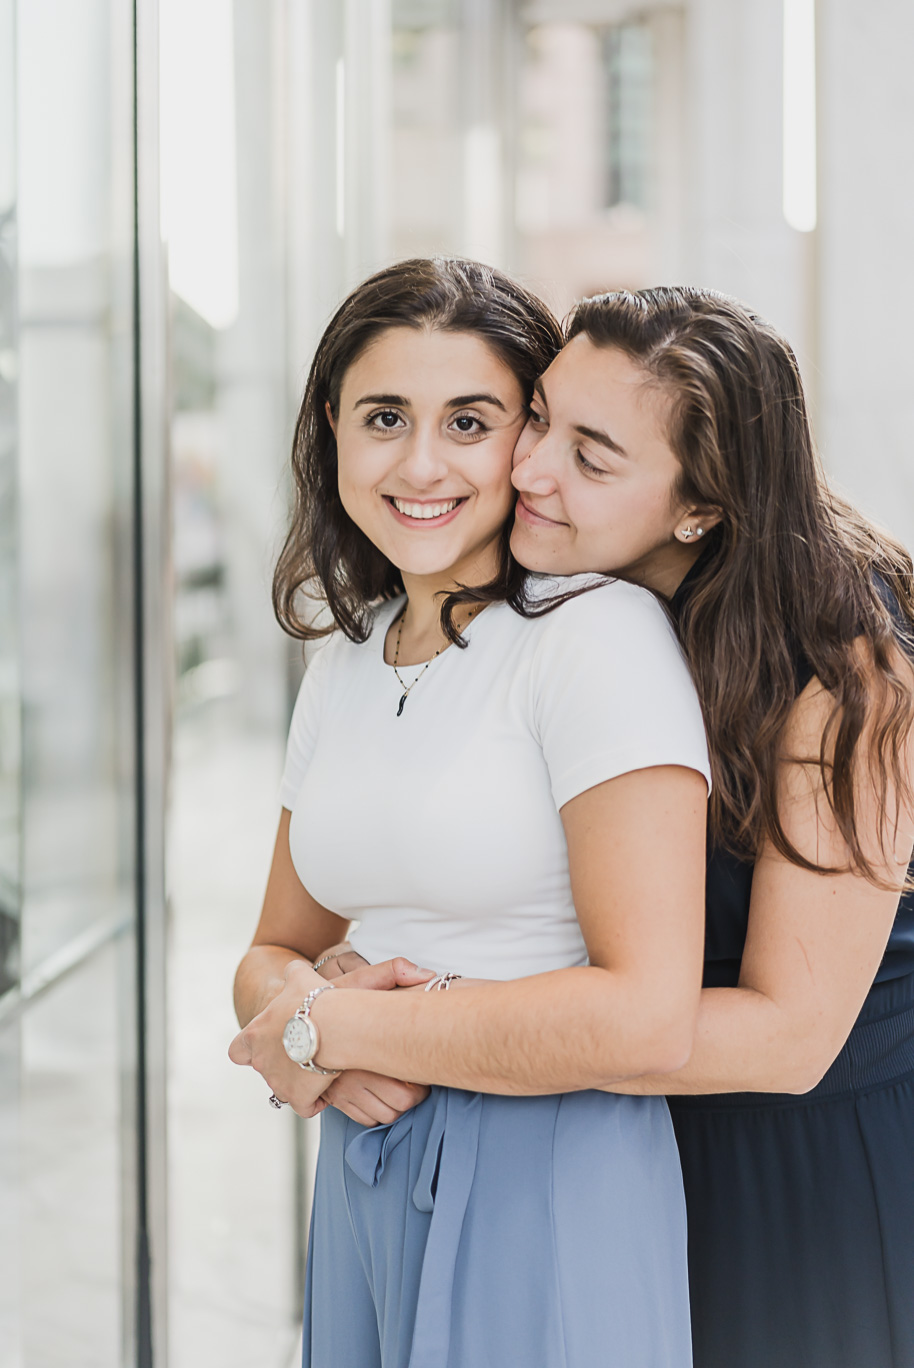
439 830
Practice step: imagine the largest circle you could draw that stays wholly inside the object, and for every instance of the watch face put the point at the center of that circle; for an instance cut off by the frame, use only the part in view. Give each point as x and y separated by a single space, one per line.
299 1040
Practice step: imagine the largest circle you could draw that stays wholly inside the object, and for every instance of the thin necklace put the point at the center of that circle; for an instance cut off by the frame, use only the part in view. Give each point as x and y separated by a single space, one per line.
408 688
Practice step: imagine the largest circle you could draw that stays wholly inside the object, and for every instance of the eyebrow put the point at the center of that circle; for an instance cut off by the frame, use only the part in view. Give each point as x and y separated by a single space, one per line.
465 399
462 400
595 434
601 438
395 400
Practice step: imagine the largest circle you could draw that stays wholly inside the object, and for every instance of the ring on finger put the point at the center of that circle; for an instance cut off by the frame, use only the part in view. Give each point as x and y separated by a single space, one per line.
275 1101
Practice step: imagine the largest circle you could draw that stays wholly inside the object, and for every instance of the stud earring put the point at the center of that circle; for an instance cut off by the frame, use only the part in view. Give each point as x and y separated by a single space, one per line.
687 533
699 532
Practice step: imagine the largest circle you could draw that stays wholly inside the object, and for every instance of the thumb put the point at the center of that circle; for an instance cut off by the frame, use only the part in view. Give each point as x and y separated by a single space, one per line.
239 1050
392 973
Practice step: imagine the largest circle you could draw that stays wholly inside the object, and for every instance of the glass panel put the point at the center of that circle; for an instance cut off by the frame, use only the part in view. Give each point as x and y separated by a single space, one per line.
71 1172
233 1287
10 790
9 523
75 461
72 1047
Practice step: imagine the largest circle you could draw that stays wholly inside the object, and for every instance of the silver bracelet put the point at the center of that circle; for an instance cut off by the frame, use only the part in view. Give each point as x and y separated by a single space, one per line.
300 1039
442 981
325 959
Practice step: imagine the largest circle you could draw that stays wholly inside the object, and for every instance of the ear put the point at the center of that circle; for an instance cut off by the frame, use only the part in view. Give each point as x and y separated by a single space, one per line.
330 418
696 522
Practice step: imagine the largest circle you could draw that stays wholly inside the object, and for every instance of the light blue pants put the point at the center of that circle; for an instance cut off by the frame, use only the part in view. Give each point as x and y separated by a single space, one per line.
500 1232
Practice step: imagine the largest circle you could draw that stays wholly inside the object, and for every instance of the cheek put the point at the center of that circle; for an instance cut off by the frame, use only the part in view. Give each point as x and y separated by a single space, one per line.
359 466
625 521
493 472
356 477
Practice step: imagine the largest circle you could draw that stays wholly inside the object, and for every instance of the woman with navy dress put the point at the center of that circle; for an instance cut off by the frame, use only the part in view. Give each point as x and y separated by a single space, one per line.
801 1204
668 444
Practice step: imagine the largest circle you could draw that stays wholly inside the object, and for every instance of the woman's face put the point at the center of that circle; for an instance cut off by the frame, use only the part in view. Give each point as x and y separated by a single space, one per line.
426 429
595 473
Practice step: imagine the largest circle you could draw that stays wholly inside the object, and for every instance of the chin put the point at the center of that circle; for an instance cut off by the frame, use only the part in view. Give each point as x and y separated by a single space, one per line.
526 552
422 566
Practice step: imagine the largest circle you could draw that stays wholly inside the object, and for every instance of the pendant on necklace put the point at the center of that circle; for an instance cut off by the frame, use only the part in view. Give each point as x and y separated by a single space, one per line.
402 705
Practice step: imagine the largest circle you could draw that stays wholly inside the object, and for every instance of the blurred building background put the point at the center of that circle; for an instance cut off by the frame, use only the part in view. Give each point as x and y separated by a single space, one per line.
187 188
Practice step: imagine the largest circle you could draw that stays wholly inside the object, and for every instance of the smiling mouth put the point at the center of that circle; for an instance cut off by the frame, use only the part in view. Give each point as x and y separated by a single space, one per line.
423 512
530 515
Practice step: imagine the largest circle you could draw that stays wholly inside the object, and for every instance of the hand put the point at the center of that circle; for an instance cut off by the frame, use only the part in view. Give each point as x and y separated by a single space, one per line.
259 1044
372 1099
344 961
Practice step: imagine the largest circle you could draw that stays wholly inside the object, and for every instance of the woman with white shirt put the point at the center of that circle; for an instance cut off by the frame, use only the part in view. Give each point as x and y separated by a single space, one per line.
498 796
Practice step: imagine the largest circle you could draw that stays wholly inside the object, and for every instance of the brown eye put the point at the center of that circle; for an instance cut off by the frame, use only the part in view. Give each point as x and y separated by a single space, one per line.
468 425
385 420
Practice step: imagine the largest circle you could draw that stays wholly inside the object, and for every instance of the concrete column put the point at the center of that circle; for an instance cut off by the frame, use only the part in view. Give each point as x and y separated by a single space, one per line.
866 232
736 238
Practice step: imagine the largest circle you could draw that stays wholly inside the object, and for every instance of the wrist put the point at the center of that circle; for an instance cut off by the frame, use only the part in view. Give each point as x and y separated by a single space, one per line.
356 1026
338 1028
301 1038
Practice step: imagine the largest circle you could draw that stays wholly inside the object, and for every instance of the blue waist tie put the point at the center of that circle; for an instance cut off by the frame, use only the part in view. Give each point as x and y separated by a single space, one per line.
443 1189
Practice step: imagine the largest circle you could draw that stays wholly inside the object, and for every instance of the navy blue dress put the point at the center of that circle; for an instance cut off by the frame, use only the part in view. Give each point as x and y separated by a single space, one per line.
801 1208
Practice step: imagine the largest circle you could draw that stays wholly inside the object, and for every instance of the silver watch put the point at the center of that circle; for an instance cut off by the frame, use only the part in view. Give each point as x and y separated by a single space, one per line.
299 1038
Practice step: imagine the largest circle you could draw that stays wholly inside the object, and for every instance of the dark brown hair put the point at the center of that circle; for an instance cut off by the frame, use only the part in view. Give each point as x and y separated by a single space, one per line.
326 556
792 572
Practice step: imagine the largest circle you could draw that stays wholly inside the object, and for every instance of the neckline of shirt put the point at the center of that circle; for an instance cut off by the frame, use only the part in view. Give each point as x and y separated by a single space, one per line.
387 614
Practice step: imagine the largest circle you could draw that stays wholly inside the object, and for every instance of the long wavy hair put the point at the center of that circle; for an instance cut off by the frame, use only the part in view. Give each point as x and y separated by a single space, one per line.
791 571
326 557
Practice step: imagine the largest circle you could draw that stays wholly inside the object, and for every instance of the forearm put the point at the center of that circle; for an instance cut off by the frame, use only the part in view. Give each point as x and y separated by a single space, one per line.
557 1032
744 1042
260 978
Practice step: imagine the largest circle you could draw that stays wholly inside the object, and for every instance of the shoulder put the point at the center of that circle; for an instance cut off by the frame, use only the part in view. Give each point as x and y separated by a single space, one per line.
611 691
617 633
601 609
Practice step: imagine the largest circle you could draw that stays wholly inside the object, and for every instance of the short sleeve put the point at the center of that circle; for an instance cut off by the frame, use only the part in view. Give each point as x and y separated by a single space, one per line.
304 725
612 692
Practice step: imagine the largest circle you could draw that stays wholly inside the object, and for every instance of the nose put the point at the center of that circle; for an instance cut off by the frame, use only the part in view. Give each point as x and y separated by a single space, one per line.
424 462
534 472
